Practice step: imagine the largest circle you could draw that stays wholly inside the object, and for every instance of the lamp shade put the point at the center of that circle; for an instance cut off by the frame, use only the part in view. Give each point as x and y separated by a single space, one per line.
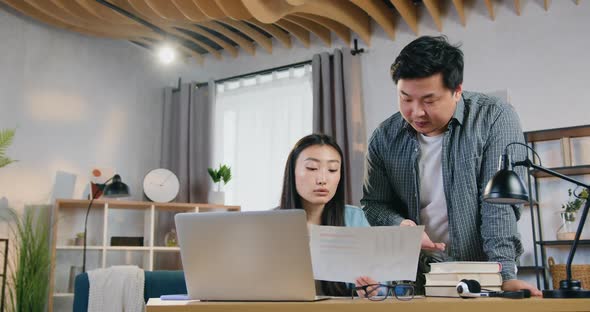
505 187
116 188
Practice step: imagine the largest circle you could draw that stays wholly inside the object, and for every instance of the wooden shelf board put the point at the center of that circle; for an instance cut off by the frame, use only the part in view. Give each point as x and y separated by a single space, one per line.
557 133
123 204
573 170
564 242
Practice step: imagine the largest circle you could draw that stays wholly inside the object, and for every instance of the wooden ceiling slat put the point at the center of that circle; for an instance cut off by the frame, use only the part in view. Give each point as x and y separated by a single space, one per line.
378 11
254 34
267 11
490 7
234 9
275 31
343 12
432 6
407 12
198 42
320 31
297 31
340 30
190 10
49 8
459 6
166 10
233 51
40 15
105 13
74 8
243 43
139 7
210 8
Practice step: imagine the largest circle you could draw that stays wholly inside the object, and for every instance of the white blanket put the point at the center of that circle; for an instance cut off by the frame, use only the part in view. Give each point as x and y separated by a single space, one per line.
118 288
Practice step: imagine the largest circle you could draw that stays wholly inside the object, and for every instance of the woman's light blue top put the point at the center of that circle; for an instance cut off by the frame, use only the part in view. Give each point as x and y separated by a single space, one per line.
355 217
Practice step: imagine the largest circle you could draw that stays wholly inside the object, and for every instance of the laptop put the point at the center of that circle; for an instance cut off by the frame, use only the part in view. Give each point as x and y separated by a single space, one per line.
246 256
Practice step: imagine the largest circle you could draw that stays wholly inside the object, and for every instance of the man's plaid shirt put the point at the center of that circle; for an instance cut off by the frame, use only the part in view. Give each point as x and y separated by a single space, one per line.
477 135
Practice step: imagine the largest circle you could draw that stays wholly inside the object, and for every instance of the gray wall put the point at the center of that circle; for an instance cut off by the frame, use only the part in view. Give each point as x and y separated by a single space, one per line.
77 102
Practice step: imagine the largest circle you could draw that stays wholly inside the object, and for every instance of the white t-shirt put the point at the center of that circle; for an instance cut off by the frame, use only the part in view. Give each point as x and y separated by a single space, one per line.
433 205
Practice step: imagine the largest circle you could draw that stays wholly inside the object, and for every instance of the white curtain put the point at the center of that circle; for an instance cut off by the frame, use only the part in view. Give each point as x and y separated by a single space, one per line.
257 122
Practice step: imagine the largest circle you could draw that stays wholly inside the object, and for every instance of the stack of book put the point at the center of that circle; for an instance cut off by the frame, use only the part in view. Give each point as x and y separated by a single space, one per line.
444 277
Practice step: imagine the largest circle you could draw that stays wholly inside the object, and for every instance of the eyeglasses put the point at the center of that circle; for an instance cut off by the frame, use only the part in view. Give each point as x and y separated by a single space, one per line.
379 292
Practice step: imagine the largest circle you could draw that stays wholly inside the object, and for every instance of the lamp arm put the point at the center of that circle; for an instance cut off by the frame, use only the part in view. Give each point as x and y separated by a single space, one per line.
570 257
529 164
86 220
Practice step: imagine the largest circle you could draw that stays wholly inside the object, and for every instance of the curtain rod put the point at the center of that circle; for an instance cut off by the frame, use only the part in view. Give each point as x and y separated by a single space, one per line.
260 72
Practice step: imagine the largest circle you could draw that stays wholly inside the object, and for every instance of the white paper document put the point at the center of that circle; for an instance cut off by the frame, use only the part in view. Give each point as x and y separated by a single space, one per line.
384 253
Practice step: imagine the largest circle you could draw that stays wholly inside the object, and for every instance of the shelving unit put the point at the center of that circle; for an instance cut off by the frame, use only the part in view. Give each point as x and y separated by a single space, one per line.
564 135
110 218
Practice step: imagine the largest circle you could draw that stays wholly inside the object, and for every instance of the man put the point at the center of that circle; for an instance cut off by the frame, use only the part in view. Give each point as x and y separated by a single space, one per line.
430 162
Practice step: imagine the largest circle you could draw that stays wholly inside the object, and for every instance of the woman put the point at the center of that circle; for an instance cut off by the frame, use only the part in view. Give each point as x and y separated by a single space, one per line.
314 181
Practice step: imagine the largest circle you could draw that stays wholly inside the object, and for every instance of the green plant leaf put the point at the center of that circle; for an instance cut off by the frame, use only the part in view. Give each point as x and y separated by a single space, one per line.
6 137
214 174
29 278
225 172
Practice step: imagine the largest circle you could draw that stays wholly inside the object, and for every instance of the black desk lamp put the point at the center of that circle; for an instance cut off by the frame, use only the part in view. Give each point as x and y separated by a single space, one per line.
506 187
115 189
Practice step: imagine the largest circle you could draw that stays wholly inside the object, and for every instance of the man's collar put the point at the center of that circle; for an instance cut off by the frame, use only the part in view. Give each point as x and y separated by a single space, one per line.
459 112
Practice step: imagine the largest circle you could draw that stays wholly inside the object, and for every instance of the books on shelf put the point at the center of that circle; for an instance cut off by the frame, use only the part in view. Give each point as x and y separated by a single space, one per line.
444 276
449 291
465 267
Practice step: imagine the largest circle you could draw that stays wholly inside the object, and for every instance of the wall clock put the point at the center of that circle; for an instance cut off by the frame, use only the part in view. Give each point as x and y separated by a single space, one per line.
161 185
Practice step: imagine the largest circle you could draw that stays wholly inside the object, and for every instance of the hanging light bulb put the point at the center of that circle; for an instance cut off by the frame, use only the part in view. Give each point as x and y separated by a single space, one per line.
166 54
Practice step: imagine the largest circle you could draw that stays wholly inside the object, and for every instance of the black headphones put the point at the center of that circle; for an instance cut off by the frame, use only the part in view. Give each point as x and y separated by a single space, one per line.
472 289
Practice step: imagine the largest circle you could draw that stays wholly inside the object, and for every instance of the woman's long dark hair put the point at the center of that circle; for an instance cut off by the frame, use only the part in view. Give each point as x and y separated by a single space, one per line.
333 213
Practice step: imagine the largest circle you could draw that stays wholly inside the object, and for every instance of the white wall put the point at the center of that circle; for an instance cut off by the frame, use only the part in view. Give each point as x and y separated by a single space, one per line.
77 102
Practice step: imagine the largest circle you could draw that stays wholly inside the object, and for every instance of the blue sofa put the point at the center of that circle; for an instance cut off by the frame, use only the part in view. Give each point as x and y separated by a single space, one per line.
157 283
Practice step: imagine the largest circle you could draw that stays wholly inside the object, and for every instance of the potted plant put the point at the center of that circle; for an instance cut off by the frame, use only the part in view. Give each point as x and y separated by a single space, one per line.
567 230
29 266
219 175
6 136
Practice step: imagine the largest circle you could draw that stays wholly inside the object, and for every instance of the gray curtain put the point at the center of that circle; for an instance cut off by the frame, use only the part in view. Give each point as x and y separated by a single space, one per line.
338 111
186 138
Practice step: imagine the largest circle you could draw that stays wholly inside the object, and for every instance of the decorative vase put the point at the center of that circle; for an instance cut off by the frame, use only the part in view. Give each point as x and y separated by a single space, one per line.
216 197
170 239
567 230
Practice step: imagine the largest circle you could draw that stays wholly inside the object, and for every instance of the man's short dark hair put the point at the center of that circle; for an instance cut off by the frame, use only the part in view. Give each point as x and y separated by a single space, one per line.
427 56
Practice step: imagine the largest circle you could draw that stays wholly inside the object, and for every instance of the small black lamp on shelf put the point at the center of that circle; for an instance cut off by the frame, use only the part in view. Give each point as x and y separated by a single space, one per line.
112 190
506 187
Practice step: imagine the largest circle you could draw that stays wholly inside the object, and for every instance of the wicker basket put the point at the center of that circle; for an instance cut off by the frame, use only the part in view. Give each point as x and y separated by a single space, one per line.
580 272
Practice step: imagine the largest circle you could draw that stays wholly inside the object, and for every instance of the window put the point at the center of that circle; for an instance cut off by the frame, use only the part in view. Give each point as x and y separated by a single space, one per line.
257 122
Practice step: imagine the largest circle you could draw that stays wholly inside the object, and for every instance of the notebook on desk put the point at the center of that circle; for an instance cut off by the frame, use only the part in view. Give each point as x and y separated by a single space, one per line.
246 256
